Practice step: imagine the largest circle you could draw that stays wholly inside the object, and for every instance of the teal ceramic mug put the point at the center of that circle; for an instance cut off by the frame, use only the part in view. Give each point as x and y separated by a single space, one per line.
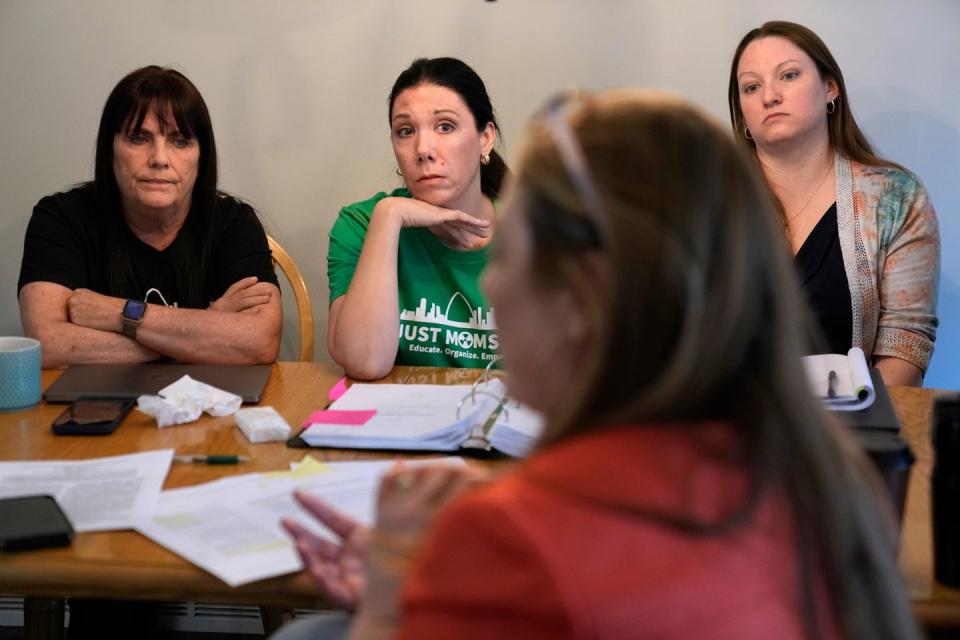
19 373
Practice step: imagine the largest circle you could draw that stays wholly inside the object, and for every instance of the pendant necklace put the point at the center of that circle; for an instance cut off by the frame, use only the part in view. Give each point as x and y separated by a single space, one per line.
816 190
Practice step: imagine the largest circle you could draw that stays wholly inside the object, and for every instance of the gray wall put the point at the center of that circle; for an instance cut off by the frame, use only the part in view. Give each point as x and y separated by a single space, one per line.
297 92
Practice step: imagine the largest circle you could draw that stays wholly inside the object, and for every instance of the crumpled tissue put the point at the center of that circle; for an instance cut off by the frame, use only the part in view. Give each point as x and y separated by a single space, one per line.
184 400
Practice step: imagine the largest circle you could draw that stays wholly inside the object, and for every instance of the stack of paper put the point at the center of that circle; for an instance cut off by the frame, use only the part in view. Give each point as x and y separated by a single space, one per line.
231 527
100 494
842 382
424 417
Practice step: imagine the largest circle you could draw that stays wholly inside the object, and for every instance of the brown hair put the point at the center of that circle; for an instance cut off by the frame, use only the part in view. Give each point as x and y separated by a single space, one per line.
845 135
698 322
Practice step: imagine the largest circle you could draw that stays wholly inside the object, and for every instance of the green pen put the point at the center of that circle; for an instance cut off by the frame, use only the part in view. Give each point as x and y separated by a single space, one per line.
215 459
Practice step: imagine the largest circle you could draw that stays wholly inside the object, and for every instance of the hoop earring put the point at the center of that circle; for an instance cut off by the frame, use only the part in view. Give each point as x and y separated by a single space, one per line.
399 173
746 133
485 159
831 107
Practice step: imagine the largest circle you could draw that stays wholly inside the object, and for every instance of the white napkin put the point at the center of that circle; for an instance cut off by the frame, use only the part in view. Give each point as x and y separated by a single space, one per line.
184 400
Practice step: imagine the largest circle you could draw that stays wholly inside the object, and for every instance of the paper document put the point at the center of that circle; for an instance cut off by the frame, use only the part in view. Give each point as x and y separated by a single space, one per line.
231 527
97 495
842 382
429 418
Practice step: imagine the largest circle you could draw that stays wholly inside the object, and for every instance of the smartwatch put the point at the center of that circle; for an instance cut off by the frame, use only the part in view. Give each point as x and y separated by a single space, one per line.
132 316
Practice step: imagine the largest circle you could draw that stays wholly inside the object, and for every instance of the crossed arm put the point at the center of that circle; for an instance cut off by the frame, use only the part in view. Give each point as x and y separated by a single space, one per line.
81 326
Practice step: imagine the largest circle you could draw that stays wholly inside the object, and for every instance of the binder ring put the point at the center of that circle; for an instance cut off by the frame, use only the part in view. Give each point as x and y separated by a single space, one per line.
472 397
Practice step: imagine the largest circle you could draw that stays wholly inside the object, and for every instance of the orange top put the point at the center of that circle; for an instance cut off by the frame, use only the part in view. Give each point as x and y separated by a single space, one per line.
566 547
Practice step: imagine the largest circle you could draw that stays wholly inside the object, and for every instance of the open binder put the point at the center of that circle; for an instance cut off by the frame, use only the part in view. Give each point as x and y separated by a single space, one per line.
420 417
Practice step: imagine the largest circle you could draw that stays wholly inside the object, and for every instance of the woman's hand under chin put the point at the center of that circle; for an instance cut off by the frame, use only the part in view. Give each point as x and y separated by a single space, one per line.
454 228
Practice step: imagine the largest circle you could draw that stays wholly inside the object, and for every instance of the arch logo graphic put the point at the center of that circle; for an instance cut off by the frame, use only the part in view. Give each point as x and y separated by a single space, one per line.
455 330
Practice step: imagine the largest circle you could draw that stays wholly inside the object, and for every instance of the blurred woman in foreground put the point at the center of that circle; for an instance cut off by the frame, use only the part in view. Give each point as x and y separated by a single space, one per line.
687 484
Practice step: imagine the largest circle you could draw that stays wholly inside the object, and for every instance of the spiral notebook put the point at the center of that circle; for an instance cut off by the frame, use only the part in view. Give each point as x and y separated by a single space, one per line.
851 389
841 381
421 417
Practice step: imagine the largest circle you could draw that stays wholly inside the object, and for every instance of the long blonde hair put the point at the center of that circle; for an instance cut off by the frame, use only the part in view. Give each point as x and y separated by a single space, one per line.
701 321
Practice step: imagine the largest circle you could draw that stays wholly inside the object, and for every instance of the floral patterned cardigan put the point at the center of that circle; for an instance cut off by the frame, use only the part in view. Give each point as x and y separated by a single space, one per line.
891 253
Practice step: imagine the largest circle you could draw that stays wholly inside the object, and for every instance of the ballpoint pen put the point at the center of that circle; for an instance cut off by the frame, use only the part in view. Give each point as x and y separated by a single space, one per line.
214 459
831 381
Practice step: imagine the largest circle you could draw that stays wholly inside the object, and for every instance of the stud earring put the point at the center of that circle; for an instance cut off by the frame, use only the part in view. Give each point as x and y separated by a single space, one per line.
485 159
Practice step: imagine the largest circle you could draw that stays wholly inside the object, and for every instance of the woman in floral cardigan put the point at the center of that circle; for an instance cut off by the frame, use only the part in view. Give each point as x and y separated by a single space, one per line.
862 229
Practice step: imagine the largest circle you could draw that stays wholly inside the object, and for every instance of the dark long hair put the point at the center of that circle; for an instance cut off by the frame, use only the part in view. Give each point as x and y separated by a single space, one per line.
845 135
167 93
457 76
698 322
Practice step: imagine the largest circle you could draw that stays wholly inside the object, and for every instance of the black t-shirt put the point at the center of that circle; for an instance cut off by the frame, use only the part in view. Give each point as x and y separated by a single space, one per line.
820 266
68 241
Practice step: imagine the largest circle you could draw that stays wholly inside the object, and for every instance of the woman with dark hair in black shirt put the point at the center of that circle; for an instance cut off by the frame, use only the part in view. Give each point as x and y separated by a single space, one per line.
149 260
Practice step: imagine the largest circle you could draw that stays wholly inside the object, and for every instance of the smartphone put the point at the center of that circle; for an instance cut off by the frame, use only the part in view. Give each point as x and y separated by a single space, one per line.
92 417
33 522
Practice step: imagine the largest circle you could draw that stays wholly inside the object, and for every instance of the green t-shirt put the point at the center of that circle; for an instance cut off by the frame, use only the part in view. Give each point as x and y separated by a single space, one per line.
444 318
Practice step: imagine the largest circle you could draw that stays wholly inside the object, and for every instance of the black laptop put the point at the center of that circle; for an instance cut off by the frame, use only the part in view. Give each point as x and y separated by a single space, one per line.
134 380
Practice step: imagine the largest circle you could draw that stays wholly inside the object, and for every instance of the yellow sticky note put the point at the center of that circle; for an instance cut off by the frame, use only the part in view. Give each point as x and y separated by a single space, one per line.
307 467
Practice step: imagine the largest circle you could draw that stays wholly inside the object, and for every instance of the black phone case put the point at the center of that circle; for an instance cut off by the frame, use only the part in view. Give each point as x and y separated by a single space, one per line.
33 522
69 424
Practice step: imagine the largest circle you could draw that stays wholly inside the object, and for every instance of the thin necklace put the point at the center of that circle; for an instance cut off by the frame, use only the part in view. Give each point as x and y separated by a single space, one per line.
788 221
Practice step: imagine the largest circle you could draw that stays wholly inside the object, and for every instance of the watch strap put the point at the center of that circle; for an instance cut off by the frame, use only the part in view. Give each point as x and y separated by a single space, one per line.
130 328
132 322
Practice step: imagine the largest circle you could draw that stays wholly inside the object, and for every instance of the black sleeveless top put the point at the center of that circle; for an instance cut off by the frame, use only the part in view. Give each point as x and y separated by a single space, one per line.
819 264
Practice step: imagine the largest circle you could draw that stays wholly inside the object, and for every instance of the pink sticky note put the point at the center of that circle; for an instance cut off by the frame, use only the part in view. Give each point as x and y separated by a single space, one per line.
338 389
339 416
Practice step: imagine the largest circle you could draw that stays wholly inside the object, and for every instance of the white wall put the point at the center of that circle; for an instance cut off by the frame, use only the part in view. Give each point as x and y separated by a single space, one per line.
297 92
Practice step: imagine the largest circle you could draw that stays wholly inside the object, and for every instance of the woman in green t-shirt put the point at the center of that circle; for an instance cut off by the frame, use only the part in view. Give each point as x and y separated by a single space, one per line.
403 267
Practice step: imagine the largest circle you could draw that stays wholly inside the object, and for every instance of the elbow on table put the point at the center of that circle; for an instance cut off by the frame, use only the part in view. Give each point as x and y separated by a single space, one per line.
264 351
54 360
369 368
359 361
261 346
53 355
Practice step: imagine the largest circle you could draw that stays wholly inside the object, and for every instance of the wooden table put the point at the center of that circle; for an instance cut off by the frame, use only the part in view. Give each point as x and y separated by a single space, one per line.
934 604
125 564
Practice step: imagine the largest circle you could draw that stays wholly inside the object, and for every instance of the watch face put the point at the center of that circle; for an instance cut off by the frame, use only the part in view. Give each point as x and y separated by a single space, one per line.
134 310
